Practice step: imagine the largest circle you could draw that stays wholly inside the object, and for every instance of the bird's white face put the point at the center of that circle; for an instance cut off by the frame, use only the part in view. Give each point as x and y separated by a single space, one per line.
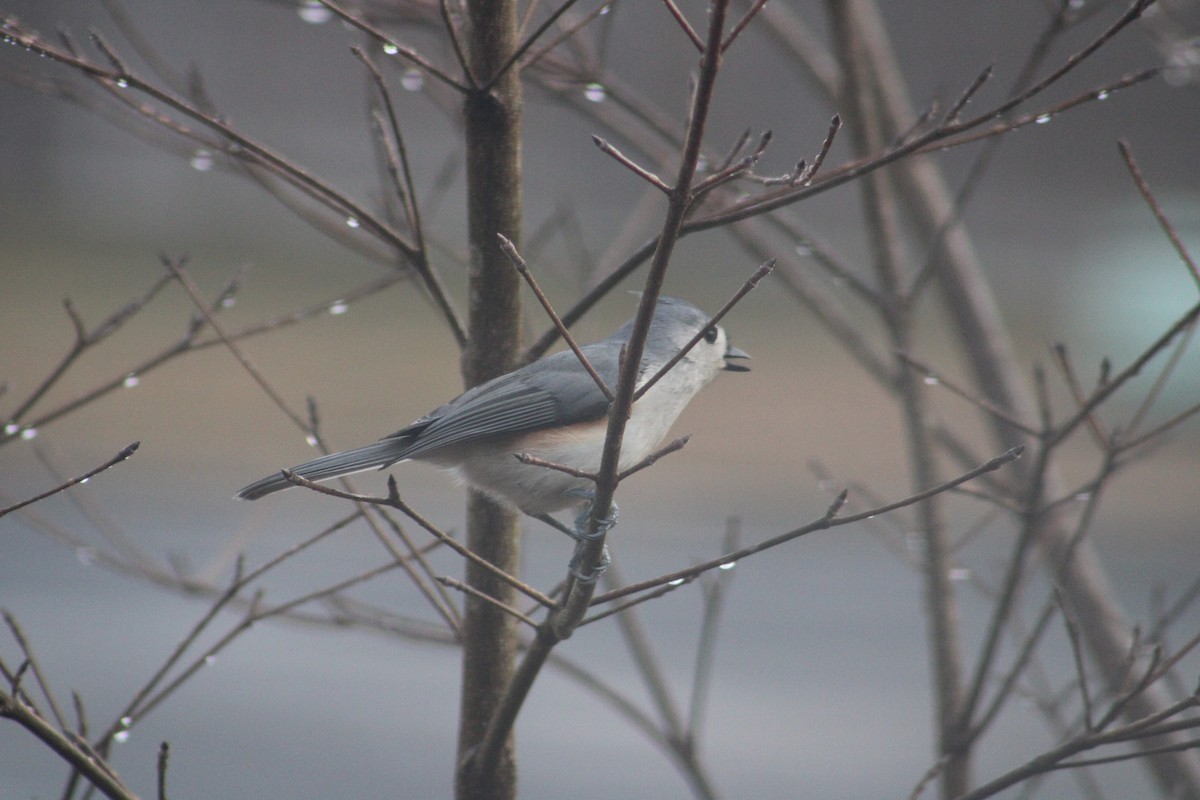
658 409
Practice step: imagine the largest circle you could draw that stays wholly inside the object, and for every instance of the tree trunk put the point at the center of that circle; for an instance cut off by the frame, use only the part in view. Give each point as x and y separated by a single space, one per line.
493 130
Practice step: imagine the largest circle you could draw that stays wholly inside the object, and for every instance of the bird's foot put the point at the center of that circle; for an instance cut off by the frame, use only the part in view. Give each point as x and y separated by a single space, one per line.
583 535
603 526
576 566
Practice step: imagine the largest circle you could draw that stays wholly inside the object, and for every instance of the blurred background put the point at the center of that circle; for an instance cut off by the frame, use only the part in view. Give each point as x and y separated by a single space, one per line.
821 680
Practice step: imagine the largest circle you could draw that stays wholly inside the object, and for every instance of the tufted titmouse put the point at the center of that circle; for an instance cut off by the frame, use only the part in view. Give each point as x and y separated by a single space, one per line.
551 409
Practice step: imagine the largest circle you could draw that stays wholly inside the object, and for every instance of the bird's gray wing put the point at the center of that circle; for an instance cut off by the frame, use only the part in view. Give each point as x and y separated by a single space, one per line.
552 392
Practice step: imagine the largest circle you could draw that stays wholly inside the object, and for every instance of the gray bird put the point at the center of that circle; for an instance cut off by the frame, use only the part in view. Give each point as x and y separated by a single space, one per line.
551 409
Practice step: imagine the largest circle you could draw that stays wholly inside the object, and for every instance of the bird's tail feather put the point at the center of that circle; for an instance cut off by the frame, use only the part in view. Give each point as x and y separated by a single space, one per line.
335 465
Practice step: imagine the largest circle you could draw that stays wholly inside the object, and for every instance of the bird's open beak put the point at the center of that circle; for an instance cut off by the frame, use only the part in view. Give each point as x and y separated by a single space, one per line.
734 352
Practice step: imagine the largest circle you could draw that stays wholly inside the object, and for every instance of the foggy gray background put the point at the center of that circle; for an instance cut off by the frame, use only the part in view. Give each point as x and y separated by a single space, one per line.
821 686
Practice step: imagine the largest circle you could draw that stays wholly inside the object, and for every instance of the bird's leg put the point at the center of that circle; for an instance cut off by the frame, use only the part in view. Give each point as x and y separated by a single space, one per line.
582 536
553 523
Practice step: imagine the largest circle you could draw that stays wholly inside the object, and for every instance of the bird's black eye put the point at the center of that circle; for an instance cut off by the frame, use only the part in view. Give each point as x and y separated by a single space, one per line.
710 335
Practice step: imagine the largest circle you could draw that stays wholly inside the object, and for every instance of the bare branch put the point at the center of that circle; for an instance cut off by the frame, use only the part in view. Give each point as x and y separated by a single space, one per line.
456 41
684 25
175 267
741 24
524 47
732 171
164 754
455 583
650 460
1148 195
31 662
401 50
393 500
829 520
933 377
534 461
953 112
98 773
518 262
763 271
398 167
805 177
125 453
1085 694
629 164
706 647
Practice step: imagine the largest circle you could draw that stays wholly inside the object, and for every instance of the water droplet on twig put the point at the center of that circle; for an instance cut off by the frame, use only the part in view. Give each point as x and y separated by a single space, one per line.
202 160
413 79
314 12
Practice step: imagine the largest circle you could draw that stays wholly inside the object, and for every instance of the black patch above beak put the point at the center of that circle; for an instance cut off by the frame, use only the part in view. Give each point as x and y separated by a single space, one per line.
734 352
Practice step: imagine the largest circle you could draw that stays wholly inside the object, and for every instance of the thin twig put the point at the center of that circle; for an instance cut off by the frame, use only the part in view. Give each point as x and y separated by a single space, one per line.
640 645
661 591
455 583
955 110
1067 369
829 520
1143 187
741 24
82 761
175 267
673 446
534 56
31 660
246 148
398 166
763 271
401 50
932 376
1103 392
805 177
164 753
731 172
534 461
84 339
1155 391
490 82
684 25
631 165
1085 694
125 453
393 500
706 647
522 268
456 41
